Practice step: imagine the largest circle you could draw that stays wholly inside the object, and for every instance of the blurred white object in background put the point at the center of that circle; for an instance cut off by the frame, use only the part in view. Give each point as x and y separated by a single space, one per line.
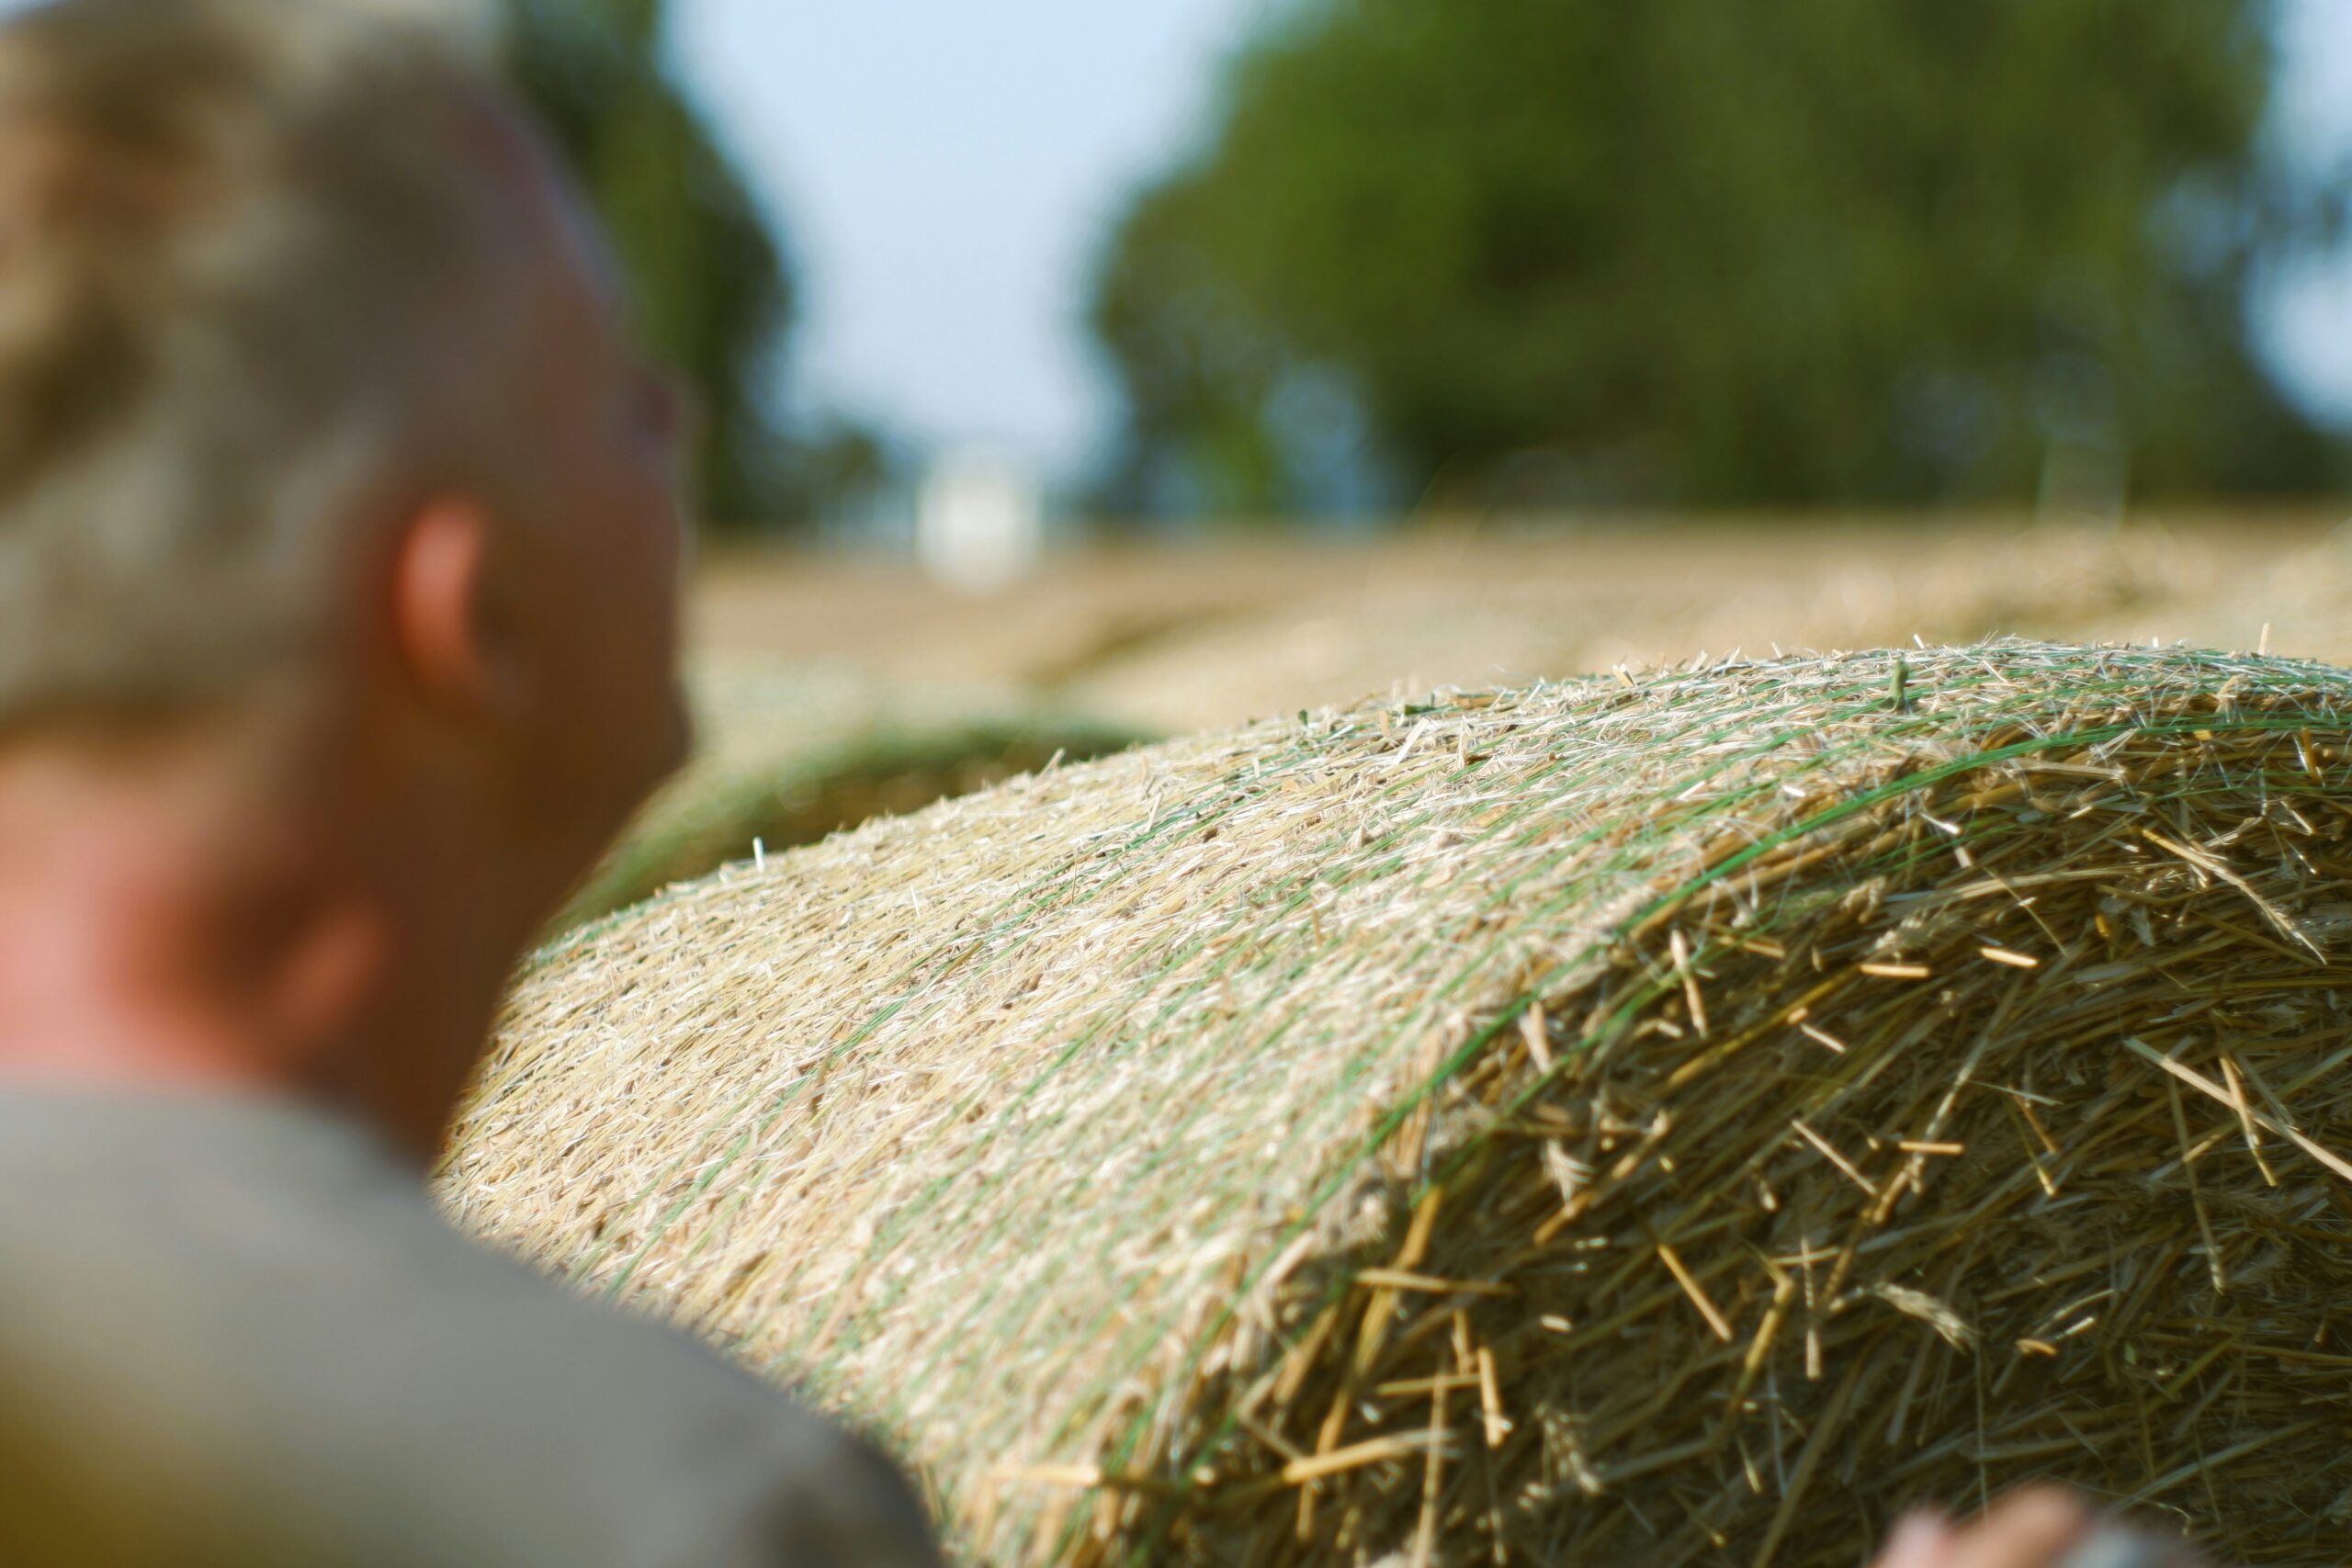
979 522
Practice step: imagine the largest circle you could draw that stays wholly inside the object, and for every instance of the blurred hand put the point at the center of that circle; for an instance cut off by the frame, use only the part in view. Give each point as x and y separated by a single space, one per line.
2040 1528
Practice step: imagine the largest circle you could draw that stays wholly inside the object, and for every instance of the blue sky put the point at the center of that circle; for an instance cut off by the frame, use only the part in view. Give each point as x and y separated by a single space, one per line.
945 169
2305 325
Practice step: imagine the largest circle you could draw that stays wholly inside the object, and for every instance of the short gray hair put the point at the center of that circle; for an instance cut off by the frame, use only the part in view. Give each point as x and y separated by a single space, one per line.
227 229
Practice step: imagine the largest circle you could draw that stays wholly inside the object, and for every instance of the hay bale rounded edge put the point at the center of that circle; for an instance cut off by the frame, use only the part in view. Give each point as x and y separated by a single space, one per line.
1674 1120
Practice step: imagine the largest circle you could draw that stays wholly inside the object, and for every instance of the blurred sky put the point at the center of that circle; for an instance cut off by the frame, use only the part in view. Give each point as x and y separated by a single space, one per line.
2304 321
944 170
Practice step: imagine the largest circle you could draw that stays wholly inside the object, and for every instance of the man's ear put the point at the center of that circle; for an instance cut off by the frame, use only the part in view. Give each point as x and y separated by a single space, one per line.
452 627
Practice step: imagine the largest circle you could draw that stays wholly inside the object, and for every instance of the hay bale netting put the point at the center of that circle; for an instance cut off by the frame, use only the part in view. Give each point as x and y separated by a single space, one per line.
1663 1121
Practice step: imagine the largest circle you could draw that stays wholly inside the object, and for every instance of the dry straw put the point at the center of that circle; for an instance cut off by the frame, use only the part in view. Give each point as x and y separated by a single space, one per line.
1674 1120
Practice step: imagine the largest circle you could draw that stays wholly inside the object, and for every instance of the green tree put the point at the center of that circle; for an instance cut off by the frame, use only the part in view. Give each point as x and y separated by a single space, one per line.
1716 252
709 276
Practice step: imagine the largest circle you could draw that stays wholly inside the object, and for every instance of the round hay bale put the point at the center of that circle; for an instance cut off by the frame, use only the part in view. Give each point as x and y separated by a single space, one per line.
786 754
1663 1120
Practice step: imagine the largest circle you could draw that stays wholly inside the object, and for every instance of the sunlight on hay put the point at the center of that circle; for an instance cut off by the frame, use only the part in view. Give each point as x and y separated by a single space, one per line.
1673 1121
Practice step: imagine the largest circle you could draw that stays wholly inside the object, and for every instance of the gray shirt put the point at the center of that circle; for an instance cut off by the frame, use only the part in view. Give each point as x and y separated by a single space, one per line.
235 1330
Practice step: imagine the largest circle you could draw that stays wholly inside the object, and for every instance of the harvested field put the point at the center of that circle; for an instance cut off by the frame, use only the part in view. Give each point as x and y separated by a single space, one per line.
1673 1120
1174 638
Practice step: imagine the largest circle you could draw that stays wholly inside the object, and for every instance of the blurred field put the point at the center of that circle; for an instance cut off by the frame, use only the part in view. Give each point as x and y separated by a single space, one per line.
828 690
1171 639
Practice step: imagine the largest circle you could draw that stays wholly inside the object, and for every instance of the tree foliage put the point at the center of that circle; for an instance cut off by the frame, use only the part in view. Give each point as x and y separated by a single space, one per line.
709 276
1713 251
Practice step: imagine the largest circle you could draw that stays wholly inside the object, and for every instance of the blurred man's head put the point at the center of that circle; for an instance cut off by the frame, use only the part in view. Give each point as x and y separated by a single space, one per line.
318 426
275 278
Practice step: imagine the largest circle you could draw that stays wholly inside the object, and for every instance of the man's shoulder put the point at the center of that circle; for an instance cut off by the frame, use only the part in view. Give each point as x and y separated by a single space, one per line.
269 1301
